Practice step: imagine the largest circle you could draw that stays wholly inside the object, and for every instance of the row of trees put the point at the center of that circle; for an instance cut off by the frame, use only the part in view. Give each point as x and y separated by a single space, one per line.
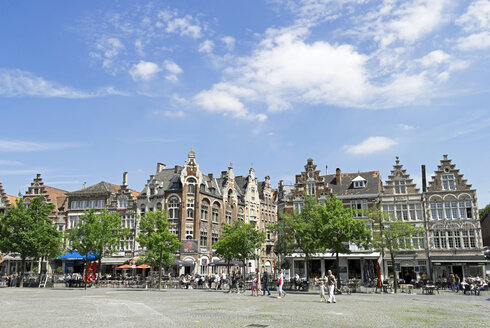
330 227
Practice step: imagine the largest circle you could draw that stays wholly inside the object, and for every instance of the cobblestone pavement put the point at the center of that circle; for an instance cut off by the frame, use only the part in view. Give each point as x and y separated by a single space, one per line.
106 307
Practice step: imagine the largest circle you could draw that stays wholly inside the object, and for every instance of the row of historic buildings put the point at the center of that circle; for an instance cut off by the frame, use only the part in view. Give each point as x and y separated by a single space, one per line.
198 204
446 208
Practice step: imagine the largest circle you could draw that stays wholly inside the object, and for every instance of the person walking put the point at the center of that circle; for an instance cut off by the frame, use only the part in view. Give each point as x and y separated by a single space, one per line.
332 285
265 283
322 292
280 283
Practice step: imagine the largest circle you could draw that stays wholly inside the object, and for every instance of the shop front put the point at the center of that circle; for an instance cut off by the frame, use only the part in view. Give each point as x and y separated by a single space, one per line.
463 266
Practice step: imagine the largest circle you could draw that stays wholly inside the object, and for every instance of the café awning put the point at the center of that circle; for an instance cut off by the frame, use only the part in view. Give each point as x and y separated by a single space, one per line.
115 260
71 256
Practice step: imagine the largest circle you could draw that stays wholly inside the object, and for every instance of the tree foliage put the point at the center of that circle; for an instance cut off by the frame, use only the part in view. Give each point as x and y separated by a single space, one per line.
337 228
28 231
160 244
239 241
484 211
97 234
394 236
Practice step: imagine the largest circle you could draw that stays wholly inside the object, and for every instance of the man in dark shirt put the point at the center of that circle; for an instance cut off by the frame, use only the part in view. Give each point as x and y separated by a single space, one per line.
265 283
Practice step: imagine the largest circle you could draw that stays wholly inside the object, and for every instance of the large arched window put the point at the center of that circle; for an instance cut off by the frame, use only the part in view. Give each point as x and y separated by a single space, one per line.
191 185
173 208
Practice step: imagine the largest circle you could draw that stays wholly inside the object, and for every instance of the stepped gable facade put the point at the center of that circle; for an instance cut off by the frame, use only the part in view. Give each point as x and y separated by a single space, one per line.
358 191
197 205
455 240
403 201
6 201
55 196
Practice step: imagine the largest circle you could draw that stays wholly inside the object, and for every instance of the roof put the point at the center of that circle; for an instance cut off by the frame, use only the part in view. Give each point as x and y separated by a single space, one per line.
99 188
372 178
12 199
56 196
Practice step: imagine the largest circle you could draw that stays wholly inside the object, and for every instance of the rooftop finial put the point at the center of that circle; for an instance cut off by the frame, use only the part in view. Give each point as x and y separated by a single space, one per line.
192 154
397 160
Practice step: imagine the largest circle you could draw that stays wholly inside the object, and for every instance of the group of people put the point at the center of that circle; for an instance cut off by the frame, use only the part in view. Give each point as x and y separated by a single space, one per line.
11 280
330 282
471 284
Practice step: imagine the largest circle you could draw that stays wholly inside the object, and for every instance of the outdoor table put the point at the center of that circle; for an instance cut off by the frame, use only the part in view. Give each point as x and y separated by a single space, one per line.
408 288
428 289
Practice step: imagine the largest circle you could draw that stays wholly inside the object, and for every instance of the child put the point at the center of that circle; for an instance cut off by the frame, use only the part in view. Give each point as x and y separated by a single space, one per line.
322 292
254 287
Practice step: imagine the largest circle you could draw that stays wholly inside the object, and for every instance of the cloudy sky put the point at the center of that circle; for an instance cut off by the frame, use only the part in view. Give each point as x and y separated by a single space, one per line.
90 89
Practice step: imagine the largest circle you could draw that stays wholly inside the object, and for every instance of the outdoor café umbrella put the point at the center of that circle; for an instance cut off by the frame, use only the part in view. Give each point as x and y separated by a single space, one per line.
143 266
124 266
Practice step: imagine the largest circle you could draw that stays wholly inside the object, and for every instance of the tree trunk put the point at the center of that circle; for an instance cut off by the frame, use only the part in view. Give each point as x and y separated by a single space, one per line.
393 268
97 275
307 273
337 260
85 272
22 272
160 273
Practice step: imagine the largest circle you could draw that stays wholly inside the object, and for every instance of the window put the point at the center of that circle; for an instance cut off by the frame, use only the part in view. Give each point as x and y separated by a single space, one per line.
159 206
399 187
436 211
100 203
448 182
204 237
190 189
143 209
174 229
457 239
152 191
450 238
173 208
437 240
472 238
310 189
215 215
74 219
190 213
214 237
298 207
189 232
228 217
122 203
204 213
358 206
359 184
74 205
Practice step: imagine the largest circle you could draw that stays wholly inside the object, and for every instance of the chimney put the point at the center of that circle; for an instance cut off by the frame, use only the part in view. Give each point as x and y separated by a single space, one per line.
84 185
210 175
160 167
176 169
338 176
445 157
125 179
38 176
326 169
424 179
223 174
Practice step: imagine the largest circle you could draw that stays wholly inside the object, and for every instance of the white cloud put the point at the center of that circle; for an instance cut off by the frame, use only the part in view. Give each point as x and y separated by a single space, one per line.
106 49
173 70
224 98
229 42
144 71
406 127
5 162
19 83
185 26
174 114
475 41
476 22
370 145
28 146
206 47
476 17
435 57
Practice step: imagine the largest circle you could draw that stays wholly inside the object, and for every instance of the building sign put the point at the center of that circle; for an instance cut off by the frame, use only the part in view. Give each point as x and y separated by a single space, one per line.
190 246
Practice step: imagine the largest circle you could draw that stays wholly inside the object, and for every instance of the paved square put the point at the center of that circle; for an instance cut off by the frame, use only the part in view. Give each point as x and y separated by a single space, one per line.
106 307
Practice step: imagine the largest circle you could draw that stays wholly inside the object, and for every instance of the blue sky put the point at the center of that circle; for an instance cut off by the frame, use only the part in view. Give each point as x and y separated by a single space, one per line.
90 89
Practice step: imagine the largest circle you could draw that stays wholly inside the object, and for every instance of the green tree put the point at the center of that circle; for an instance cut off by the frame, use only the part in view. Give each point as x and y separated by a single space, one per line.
239 241
159 242
28 231
393 236
97 234
299 232
336 228
484 211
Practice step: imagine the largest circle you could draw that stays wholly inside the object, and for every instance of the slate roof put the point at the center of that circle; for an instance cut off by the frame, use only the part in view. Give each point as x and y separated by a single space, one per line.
99 188
346 187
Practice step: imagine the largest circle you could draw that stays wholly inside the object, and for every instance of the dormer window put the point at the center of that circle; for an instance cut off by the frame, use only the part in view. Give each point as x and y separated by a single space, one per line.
152 191
359 182
448 182
399 187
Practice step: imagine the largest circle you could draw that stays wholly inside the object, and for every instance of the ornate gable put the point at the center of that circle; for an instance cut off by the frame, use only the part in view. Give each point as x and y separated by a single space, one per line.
399 181
448 178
